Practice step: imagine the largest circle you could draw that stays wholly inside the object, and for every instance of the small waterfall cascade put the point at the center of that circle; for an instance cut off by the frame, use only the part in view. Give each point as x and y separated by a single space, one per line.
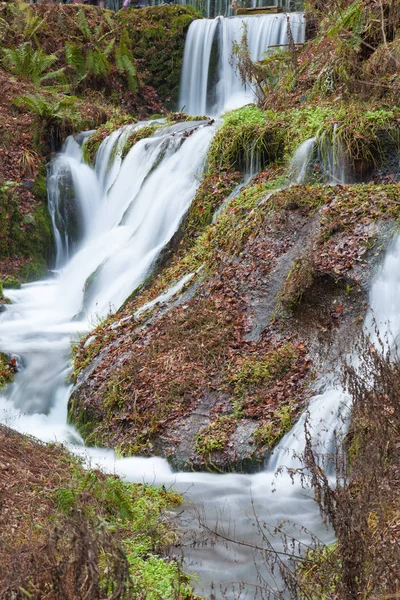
331 155
73 187
209 83
70 183
321 160
128 210
127 213
302 161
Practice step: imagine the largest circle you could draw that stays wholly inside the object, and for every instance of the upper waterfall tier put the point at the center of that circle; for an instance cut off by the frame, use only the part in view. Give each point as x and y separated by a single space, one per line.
209 83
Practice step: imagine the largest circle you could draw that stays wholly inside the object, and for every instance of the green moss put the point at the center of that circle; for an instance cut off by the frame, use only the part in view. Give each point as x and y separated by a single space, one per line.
133 513
214 436
247 133
84 421
12 283
212 192
270 432
94 141
256 371
6 371
158 35
40 185
270 137
137 135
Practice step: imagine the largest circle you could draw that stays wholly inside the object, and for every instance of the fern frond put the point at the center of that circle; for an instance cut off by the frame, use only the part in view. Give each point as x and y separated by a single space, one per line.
109 48
75 59
65 500
125 62
26 62
32 25
83 25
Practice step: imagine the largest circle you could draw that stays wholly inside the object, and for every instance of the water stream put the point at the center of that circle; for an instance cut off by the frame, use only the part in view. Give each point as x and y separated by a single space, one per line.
209 84
126 211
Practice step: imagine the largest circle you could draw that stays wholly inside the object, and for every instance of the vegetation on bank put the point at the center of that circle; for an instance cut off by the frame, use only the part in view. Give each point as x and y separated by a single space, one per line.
362 504
363 134
65 69
71 531
235 347
6 370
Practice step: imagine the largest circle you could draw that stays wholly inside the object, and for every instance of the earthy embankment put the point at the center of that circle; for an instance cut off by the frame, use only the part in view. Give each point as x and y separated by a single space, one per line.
279 278
67 532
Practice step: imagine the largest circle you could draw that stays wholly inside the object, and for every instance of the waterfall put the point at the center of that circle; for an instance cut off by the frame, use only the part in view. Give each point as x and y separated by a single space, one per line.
128 210
209 83
71 186
301 161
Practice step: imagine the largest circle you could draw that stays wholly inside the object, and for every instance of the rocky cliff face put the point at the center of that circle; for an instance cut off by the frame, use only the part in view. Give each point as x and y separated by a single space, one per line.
216 376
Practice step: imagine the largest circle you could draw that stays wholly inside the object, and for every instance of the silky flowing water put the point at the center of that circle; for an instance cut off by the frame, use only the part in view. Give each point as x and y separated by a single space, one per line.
209 83
126 211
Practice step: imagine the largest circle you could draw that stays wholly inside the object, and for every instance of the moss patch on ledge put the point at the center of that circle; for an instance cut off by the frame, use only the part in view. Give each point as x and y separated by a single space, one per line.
26 235
251 134
7 369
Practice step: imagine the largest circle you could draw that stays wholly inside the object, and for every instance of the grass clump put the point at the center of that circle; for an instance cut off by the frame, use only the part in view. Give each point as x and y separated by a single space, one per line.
265 137
214 436
256 371
247 134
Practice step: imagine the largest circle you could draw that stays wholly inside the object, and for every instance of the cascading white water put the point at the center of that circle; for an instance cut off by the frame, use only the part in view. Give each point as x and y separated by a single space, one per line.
71 185
126 216
135 210
209 83
301 161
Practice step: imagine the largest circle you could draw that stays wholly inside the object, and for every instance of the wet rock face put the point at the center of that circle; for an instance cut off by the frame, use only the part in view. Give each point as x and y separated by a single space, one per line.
69 216
214 379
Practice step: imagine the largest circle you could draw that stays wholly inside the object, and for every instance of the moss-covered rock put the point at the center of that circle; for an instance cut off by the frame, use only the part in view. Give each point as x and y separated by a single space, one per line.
158 35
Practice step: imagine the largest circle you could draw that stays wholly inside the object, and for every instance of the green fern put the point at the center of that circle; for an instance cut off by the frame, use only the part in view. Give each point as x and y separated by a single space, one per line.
118 498
83 25
75 59
3 28
125 62
25 21
65 500
350 19
49 111
31 64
